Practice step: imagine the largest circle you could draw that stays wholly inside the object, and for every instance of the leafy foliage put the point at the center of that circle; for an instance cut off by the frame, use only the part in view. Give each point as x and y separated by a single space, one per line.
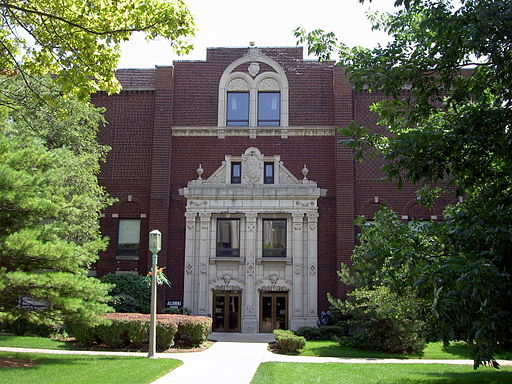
287 341
50 203
78 41
446 76
131 330
130 293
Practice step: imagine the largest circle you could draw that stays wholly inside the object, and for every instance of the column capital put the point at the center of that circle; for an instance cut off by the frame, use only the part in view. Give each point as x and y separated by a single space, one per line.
313 217
298 217
190 216
251 217
205 216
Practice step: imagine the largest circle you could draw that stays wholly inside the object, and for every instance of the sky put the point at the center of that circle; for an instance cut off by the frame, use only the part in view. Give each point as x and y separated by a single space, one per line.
269 23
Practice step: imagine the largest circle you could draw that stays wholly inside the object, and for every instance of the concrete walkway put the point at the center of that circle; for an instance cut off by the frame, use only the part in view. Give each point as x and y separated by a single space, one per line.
234 358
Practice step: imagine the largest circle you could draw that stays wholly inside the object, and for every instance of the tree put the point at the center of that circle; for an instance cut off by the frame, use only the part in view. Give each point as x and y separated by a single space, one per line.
78 41
447 78
50 202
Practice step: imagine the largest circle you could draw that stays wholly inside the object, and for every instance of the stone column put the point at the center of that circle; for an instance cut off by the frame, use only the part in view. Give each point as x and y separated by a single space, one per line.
204 253
312 268
189 280
298 298
250 295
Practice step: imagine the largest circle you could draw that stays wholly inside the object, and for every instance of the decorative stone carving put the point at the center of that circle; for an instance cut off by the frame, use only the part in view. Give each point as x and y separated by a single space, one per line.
249 309
252 165
298 269
312 226
305 172
299 203
227 278
250 270
199 171
189 269
312 270
251 217
253 69
238 84
202 268
297 226
251 227
195 203
219 176
273 278
269 84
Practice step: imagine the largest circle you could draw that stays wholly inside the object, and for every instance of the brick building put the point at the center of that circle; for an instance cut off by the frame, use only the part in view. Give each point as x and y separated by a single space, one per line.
236 161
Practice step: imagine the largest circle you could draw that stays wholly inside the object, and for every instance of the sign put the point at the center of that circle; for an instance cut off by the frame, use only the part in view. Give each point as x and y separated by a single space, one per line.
172 304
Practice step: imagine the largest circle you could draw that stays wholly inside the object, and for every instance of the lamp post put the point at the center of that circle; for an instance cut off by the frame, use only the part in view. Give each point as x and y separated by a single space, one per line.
155 245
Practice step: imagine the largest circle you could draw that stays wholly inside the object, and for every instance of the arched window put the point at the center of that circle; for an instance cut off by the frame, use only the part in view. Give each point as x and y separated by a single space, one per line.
251 98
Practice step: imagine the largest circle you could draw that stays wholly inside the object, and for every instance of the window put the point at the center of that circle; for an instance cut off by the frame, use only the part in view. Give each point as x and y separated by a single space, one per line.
238 109
128 239
268 176
269 108
274 238
228 238
236 173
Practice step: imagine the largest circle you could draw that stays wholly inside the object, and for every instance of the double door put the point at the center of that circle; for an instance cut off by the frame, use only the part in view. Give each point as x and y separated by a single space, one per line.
226 311
273 311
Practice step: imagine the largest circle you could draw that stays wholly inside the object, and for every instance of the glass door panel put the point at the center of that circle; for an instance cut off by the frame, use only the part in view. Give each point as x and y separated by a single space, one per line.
266 314
234 313
218 315
281 308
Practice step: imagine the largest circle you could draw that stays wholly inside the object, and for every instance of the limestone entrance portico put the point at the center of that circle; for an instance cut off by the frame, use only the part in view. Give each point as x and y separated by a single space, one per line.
253 235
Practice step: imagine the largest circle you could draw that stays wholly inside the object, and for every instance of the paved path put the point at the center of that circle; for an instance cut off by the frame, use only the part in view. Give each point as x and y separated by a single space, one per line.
234 358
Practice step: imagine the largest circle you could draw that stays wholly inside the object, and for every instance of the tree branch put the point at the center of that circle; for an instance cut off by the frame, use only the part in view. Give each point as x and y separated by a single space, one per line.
73 24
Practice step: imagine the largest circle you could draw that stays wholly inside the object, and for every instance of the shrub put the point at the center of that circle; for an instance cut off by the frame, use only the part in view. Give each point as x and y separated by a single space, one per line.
29 326
386 322
192 330
177 311
309 333
131 330
288 342
130 293
332 332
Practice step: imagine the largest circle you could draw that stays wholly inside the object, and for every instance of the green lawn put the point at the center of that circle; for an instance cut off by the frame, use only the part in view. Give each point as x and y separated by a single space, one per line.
78 369
33 342
335 373
456 350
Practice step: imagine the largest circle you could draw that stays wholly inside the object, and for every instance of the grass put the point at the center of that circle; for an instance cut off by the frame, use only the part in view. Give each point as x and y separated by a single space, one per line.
456 350
335 373
78 369
34 342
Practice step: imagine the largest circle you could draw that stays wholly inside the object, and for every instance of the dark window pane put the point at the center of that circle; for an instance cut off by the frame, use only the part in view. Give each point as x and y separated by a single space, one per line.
228 238
274 238
269 108
238 109
128 239
236 173
269 173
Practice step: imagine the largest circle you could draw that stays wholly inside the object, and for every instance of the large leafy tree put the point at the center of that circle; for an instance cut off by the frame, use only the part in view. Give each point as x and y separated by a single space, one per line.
78 41
447 78
50 202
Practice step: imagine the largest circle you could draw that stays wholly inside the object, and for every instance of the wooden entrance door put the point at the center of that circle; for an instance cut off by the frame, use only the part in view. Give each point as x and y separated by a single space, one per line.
273 311
226 311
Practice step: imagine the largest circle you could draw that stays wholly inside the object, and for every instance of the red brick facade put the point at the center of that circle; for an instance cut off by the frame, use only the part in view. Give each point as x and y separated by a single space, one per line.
148 164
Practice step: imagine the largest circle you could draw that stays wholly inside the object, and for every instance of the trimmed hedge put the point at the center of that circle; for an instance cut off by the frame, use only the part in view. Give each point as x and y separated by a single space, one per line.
327 332
131 330
288 342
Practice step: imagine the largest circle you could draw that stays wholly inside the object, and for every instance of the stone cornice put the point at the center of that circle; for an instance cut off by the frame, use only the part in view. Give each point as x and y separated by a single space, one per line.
253 132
